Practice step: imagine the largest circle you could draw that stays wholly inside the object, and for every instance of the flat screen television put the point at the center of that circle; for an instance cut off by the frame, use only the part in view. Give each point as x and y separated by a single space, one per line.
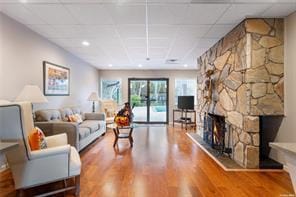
186 102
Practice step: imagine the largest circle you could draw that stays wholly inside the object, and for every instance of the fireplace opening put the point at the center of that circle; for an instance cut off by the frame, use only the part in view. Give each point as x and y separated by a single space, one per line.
214 131
269 127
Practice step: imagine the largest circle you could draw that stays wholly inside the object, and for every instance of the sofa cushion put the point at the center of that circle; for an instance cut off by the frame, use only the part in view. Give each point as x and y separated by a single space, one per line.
83 132
93 125
77 110
65 112
48 115
102 124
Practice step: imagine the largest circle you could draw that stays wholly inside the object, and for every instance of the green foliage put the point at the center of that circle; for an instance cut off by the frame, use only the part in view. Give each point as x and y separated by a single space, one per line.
136 100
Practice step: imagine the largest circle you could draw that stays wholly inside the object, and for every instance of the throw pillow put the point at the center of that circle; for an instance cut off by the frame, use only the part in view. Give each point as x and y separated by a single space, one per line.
37 139
78 118
72 118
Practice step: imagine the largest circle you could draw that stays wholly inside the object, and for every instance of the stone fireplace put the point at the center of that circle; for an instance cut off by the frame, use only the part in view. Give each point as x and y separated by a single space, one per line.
247 70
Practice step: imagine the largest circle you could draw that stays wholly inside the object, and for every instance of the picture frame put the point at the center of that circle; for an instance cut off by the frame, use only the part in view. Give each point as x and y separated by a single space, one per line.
56 80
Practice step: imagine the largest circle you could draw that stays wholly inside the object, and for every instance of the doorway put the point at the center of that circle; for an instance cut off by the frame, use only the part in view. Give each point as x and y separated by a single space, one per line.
150 99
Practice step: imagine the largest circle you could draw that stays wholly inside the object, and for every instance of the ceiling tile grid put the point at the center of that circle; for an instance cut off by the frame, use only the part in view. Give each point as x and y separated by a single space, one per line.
116 29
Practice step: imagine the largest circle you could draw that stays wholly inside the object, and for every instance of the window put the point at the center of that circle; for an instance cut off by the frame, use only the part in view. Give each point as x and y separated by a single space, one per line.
185 87
111 89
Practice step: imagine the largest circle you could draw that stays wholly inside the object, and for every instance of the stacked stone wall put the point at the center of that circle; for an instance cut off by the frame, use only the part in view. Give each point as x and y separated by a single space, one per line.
248 82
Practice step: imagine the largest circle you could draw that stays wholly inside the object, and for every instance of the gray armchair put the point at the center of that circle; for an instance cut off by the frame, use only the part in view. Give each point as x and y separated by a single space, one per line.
29 168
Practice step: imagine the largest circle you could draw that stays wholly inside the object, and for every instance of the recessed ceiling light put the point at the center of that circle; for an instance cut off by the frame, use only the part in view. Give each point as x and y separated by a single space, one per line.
23 1
185 65
110 65
140 65
85 43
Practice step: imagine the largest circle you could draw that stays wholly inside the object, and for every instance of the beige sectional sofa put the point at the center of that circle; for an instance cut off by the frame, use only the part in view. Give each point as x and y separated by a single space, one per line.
55 121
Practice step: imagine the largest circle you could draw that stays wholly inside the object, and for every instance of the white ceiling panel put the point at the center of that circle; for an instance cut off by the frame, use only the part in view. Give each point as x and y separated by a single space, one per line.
81 1
106 41
100 30
162 31
21 14
185 41
137 53
89 13
218 31
194 31
127 14
167 14
29 1
135 42
52 13
179 52
116 52
264 1
45 30
158 53
168 1
116 30
237 12
206 42
205 13
160 42
70 31
68 43
280 10
192 56
90 51
131 31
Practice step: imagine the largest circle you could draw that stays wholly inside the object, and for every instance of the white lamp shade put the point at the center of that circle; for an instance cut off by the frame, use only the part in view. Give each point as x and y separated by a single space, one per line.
93 97
31 93
4 102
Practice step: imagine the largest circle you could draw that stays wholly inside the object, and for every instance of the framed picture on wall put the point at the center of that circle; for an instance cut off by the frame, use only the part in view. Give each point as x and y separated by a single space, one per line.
56 80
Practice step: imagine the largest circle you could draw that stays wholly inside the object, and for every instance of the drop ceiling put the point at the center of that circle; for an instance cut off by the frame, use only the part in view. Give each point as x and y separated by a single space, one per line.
116 31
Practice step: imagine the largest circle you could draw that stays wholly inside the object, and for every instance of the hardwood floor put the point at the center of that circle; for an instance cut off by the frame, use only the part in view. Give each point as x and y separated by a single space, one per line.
163 162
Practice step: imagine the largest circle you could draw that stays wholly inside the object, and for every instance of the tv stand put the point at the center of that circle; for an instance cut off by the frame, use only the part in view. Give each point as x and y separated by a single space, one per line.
185 119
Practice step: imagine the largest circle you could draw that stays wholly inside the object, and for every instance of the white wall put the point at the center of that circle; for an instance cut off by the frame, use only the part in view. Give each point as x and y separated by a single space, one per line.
287 132
171 74
22 54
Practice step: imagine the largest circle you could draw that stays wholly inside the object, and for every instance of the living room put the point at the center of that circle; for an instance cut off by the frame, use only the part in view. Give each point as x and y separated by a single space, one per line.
236 58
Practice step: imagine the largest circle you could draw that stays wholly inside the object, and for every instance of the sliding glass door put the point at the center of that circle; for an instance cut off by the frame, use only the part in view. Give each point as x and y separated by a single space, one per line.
150 98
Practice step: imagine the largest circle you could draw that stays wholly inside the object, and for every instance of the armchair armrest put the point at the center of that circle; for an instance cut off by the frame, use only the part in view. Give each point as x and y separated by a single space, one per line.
69 128
50 152
56 140
95 116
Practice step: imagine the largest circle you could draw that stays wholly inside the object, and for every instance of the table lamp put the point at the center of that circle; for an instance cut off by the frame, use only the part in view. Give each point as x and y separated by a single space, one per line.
31 93
93 97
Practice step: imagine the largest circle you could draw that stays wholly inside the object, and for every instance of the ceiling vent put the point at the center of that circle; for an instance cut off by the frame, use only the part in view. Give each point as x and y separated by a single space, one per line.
172 61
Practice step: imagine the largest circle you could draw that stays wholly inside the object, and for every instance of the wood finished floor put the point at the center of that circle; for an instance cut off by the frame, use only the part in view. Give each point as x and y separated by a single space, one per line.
163 162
